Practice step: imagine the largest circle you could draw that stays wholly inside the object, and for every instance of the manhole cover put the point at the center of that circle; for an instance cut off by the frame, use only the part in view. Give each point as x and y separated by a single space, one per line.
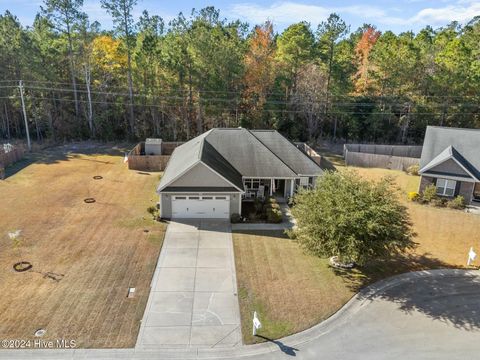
98 177
40 332
89 200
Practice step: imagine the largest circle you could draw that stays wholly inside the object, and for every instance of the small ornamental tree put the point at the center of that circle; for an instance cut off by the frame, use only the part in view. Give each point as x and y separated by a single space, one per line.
352 218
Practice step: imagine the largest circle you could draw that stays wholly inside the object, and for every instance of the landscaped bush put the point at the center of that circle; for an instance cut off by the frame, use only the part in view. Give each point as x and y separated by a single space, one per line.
352 218
413 196
235 218
274 215
152 210
258 204
457 203
272 211
413 169
429 193
439 202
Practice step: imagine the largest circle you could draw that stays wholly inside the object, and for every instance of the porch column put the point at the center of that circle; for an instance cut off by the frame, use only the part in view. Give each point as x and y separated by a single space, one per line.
271 186
292 182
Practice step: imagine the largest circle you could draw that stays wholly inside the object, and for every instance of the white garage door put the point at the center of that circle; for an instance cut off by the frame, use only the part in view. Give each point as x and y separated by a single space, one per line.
214 207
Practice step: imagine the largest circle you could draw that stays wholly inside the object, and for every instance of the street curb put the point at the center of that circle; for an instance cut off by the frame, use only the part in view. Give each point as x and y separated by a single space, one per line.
355 304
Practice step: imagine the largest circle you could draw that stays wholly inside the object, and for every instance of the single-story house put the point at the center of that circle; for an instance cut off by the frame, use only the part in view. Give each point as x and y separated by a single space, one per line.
211 175
451 161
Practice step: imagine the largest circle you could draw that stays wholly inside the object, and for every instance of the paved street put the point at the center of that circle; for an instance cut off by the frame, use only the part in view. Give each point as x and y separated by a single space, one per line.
431 315
193 302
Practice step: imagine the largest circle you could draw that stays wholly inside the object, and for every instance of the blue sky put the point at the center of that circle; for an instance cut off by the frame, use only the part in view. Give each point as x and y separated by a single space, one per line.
396 15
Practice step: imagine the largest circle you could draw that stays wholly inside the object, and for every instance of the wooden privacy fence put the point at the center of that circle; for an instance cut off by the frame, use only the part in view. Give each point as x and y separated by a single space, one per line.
395 157
309 151
9 154
137 160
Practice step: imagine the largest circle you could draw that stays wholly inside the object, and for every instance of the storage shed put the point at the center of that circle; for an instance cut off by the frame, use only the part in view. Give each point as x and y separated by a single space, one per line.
153 146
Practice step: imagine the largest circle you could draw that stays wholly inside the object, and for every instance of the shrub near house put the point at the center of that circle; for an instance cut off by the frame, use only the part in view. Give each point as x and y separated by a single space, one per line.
352 218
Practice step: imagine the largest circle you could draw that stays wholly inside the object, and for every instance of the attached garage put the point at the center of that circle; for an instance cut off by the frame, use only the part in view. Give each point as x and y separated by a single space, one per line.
200 206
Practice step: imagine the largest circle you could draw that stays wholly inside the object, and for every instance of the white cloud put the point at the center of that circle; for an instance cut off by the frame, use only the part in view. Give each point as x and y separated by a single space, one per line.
288 12
280 13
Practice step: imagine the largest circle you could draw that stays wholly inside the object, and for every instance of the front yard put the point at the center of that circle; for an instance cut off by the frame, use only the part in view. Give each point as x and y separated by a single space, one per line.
100 248
292 290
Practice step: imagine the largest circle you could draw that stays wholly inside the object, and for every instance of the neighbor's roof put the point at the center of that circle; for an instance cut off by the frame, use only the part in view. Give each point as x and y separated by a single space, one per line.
290 154
442 143
238 152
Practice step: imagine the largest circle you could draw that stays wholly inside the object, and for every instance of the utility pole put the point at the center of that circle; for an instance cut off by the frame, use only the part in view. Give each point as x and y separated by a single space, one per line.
20 85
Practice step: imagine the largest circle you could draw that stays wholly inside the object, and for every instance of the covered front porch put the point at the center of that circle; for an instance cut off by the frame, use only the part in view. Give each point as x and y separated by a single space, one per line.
264 187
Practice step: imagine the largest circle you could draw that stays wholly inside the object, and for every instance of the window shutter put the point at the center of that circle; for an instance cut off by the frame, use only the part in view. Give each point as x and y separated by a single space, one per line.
457 188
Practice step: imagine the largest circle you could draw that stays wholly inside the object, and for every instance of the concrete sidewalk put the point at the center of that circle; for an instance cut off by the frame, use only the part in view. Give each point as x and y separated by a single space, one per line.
426 315
193 300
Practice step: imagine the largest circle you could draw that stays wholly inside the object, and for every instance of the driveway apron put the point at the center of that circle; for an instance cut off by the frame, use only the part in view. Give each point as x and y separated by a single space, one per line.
193 299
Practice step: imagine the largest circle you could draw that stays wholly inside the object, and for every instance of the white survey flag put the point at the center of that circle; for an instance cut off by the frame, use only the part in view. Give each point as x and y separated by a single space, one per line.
256 323
472 255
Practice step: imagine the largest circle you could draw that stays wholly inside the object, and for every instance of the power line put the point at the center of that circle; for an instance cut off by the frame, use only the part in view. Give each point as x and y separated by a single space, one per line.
265 93
268 102
170 106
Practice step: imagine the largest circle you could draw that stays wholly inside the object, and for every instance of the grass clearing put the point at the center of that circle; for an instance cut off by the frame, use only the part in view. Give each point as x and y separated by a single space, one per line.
292 290
101 248
284 285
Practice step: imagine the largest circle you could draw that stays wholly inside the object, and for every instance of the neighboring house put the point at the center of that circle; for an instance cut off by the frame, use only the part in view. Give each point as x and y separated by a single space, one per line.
211 175
451 161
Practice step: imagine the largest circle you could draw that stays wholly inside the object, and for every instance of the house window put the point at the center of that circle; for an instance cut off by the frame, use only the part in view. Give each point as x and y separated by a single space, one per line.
446 187
252 183
304 181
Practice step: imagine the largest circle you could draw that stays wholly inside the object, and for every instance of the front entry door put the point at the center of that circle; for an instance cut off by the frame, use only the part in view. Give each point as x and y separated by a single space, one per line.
476 192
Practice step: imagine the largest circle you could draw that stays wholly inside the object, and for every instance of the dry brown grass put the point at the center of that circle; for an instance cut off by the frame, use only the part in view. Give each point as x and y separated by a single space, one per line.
442 233
100 248
293 291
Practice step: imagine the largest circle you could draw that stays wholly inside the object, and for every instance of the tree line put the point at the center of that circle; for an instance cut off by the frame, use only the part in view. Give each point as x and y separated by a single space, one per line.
176 80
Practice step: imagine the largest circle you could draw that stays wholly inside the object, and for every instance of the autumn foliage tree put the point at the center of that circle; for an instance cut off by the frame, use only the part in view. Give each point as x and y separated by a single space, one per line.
362 61
259 72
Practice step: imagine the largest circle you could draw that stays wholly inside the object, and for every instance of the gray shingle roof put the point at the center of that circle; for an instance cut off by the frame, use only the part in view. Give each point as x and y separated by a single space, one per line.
182 158
217 162
442 143
247 154
234 153
296 159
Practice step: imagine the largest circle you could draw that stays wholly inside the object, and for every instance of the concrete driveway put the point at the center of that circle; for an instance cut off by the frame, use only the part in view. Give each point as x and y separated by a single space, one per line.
193 301
428 315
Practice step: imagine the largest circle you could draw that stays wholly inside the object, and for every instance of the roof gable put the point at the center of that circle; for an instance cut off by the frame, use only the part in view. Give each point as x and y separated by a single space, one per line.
462 145
200 175
449 162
